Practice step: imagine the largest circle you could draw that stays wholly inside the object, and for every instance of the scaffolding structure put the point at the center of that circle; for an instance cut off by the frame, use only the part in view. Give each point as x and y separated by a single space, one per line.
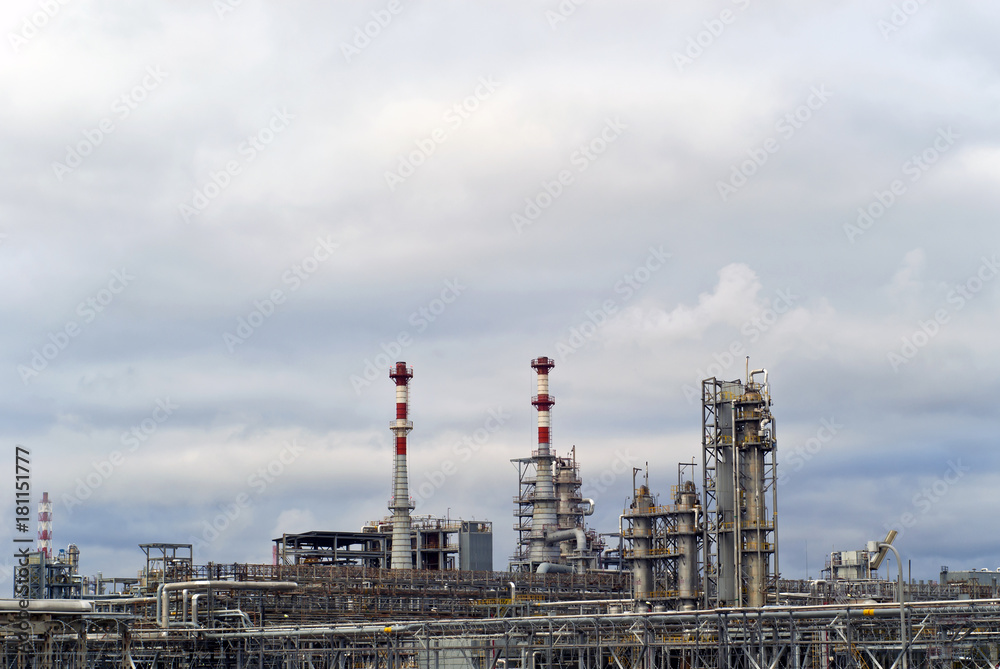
935 634
740 493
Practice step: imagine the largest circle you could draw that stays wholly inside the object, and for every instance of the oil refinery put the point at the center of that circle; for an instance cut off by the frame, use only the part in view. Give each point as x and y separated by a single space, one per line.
689 582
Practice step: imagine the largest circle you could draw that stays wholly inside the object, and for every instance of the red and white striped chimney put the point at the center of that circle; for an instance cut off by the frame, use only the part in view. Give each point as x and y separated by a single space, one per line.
543 517
45 526
402 554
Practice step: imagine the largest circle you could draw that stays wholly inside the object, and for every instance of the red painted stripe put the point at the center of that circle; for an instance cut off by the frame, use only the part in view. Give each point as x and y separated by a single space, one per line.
400 445
543 435
400 409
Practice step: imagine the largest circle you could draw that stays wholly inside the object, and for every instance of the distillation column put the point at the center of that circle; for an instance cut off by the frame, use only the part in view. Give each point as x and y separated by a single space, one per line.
740 491
641 535
544 517
688 528
726 490
754 436
402 554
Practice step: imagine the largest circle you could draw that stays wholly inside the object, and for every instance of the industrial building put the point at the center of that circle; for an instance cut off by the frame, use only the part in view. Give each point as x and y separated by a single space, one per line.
436 544
851 565
693 583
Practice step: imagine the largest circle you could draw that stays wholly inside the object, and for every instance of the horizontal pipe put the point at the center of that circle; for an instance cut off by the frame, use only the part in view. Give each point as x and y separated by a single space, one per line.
692 617
49 605
125 600
552 568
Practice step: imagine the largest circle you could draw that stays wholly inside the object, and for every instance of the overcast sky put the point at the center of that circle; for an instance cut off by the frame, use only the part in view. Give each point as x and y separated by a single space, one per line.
221 222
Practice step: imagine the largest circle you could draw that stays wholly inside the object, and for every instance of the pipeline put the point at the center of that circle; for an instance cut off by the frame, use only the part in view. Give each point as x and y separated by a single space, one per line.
164 589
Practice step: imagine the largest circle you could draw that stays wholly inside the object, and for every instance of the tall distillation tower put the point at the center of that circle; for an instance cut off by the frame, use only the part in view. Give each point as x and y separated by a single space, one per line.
740 492
400 505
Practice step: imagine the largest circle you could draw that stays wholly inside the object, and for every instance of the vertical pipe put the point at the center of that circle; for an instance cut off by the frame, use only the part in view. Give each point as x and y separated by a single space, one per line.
543 518
402 555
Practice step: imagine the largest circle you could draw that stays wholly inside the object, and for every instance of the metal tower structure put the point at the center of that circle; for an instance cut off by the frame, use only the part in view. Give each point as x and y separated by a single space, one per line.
400 504
740 492
663 544
45 526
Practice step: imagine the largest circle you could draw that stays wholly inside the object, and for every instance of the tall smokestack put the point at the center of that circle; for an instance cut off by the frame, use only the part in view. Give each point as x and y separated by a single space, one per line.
45 526
543 518
402 555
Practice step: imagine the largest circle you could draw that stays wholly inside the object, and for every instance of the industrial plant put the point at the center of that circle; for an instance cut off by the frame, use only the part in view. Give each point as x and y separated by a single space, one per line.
689 578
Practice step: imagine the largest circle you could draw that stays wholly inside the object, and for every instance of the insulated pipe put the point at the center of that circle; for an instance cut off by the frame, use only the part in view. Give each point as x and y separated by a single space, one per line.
771 612
590 506
760 371
194 607
551 568
159 600
126 600
164 589
565 535
49 605
402 554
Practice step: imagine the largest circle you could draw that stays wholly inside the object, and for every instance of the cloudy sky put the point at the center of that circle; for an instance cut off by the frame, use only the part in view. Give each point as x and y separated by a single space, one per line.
221 221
